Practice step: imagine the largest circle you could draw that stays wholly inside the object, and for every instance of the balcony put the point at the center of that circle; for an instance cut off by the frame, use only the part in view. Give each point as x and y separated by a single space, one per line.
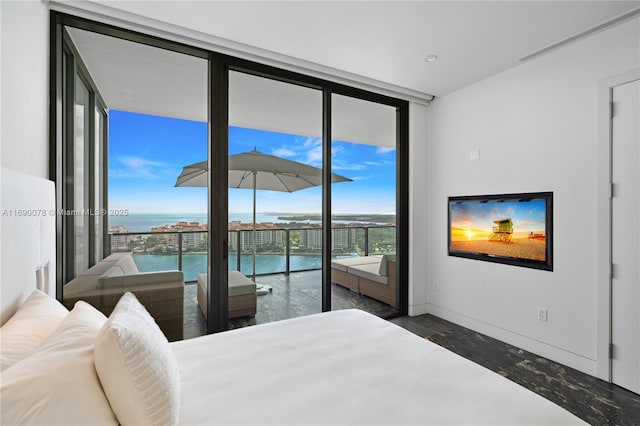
288 260
279 250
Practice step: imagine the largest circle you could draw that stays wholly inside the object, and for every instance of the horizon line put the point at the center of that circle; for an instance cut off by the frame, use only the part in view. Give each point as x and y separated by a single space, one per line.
257 213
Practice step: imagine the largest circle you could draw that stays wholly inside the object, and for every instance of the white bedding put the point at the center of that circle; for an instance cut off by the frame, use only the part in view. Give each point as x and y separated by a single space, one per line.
345 367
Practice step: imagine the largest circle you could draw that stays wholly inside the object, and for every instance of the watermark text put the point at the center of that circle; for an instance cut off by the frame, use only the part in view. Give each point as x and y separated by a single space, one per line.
64 212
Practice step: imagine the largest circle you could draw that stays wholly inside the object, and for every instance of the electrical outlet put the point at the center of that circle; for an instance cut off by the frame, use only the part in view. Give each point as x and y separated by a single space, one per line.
542 314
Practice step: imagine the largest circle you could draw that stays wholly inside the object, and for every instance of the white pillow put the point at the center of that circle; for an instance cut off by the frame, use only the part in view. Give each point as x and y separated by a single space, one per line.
34 321
58 383
137 368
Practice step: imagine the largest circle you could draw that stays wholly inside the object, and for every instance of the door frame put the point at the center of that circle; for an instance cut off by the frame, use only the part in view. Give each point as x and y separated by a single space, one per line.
604 224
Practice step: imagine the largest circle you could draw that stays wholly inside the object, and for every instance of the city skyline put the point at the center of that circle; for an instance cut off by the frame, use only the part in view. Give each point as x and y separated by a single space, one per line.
147 153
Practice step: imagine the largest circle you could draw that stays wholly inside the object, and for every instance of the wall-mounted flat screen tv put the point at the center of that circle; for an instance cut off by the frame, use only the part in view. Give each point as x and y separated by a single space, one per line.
516 229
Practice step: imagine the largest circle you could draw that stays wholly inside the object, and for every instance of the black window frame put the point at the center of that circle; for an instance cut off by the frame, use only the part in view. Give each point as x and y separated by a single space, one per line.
219 67
66 65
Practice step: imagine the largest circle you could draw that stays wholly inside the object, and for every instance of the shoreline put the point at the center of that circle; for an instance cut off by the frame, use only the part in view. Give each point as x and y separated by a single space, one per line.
204 253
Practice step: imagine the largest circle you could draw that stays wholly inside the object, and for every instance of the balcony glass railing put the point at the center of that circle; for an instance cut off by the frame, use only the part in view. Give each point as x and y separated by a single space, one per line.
278 250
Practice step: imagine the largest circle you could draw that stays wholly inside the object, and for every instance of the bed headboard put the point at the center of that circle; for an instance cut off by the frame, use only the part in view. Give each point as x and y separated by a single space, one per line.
27 238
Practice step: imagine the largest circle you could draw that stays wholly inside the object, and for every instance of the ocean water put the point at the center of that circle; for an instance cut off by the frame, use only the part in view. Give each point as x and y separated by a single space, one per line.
194 264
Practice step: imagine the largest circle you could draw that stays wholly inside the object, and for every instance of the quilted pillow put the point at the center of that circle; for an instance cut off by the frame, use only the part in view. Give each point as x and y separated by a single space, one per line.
137 368
58 384
34 321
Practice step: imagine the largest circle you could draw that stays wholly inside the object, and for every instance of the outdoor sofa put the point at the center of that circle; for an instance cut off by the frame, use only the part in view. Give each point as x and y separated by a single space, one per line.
373 276
161 293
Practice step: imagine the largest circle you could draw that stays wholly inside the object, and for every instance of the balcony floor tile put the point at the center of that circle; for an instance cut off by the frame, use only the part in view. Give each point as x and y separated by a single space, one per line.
295 295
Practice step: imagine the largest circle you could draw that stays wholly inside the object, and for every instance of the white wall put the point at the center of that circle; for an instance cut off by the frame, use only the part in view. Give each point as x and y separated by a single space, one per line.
24 86
536 128
418 229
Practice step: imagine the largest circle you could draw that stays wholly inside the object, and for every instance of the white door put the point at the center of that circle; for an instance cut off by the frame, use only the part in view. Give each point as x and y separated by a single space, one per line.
625 233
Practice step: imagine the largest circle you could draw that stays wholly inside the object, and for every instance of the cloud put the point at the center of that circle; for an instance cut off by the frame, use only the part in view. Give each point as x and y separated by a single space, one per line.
139 168
384 150
313 147
343 166
284 152
308 151
312 142
361 178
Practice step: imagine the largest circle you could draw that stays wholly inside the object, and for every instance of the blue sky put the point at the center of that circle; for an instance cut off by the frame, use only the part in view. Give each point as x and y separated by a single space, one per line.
147 153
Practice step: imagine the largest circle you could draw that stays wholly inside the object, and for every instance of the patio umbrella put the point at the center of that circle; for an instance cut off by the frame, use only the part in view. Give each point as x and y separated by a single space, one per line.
256 170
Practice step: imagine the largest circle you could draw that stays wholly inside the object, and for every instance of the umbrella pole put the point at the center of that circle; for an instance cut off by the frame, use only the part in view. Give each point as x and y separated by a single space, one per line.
254 226
258 286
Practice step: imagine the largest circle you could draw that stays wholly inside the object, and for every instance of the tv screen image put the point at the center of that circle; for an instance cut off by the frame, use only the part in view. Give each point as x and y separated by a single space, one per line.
510 228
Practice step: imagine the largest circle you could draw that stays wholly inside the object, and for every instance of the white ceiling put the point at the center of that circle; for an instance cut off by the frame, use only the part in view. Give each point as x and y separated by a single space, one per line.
388 40
137 78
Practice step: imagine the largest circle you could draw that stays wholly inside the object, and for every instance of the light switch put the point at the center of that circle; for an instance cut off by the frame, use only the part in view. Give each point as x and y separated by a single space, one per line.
474 155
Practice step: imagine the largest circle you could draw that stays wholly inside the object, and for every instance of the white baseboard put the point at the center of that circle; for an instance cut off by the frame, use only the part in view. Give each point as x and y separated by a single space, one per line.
415 310
570 359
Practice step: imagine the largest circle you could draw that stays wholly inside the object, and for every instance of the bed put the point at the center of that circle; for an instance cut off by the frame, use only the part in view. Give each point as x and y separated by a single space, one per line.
343 367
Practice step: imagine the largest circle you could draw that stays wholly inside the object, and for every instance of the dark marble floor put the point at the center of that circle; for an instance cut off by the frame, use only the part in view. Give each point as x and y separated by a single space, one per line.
295 295
591 399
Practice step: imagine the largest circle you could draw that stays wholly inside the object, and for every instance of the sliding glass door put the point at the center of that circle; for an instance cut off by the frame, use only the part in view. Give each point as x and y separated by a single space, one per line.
299 179
364 212
275 198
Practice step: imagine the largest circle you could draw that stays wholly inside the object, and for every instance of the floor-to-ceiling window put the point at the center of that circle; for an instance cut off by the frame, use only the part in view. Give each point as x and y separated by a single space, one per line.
128 133
80 154
80 192
98 223
343 149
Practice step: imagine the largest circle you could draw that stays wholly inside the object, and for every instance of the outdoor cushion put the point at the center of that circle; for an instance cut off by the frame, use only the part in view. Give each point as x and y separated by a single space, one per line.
383 265
344 264
368 271
239 284
124 273
113 271
124 266
141 278
100 267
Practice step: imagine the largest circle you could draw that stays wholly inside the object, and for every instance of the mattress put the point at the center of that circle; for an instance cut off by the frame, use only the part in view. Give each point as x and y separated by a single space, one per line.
345 367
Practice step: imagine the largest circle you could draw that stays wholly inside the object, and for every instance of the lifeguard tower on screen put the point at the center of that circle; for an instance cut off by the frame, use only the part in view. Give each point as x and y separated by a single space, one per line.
502 231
